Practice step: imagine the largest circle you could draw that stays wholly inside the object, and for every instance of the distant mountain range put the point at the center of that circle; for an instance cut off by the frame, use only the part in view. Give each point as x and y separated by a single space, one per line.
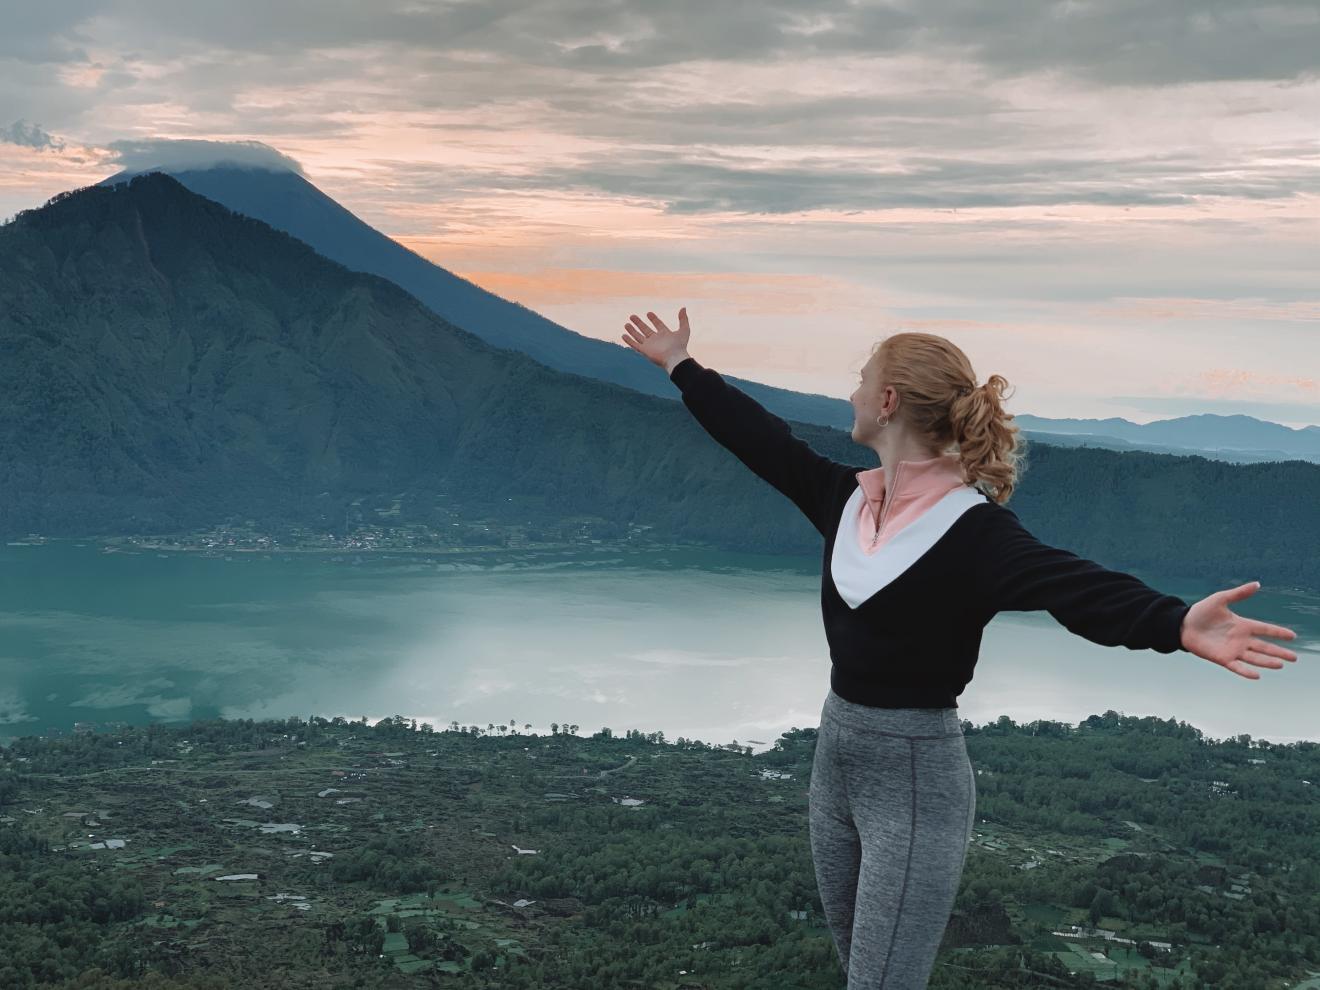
1240 439
170 364
288 202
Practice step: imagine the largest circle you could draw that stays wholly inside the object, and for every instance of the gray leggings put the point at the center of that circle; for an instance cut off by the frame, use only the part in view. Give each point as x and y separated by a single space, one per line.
892 803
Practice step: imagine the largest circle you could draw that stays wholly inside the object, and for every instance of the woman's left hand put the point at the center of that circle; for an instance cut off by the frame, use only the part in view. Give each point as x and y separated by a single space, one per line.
1214 633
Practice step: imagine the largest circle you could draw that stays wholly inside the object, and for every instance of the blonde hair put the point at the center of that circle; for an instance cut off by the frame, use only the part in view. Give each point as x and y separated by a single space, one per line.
931 375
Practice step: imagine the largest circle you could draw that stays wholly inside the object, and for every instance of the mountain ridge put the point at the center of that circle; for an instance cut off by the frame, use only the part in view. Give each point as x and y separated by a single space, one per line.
208 326
171 364
288 201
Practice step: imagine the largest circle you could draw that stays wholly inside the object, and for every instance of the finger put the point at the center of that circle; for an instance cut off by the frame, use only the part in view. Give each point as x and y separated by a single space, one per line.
643 330
1259 659
1238 667
682 318
1271 650
659 323
1266 629
1241 591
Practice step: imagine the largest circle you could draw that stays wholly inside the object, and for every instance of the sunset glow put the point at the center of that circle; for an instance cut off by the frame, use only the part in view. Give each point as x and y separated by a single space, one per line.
804 182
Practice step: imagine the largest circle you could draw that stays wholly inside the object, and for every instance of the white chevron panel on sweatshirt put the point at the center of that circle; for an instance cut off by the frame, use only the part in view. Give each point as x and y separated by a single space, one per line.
859 575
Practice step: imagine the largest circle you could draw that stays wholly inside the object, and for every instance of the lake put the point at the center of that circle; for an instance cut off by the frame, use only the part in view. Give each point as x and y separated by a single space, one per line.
696 643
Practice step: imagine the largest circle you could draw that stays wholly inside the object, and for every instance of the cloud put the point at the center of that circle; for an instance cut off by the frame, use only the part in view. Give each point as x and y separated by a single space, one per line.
716 182
936 107
976 169
1124 43
1178 308
140 155
30 136
41 32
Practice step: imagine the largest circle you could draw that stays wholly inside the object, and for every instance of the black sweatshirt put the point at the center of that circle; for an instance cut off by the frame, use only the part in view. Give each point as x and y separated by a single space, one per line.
909 633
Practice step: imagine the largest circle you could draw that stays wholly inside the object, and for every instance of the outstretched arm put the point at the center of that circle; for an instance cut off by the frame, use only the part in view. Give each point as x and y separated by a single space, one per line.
1116 609
761 440
753 434
1112 608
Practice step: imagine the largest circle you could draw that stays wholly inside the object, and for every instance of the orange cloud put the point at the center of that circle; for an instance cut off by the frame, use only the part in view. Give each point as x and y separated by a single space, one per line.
748 293
1174 308
1234 380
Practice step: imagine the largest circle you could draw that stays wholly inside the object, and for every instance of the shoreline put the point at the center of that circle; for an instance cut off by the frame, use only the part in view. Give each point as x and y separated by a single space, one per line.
126 544
120 544
439 550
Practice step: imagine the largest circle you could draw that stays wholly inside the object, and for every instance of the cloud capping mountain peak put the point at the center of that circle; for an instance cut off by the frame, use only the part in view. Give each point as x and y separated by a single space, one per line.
146 154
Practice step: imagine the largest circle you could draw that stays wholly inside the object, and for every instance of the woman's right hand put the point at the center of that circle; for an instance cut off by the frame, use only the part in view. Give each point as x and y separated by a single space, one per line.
659 344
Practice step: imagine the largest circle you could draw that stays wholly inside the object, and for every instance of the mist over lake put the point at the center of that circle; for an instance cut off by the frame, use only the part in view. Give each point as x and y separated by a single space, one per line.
695 643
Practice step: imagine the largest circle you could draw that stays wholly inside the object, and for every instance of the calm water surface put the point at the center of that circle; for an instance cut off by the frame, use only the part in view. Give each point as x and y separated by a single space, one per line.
694 643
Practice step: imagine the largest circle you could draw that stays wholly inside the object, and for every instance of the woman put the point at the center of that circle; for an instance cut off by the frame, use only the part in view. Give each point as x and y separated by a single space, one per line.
917 560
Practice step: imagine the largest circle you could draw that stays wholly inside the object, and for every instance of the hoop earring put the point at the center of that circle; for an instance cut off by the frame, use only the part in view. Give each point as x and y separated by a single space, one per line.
885 423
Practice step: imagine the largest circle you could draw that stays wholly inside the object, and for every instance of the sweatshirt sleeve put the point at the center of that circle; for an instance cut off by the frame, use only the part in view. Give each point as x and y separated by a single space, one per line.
761 440
1111 608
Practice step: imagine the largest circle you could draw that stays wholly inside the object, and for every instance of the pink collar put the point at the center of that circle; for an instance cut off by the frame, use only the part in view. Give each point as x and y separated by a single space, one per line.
918 485
913 479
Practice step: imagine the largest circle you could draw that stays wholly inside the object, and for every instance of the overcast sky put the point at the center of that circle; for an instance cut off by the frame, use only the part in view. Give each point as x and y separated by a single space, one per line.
1114 205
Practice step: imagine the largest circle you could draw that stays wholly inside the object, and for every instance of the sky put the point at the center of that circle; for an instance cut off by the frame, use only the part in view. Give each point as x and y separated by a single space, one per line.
1116 206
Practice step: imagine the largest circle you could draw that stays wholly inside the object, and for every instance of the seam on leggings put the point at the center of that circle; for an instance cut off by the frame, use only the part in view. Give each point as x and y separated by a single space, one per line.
907 871
971 803
842 771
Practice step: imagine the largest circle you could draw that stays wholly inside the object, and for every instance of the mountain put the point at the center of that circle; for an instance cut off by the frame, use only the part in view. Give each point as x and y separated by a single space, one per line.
169 364
1242 439
290 203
